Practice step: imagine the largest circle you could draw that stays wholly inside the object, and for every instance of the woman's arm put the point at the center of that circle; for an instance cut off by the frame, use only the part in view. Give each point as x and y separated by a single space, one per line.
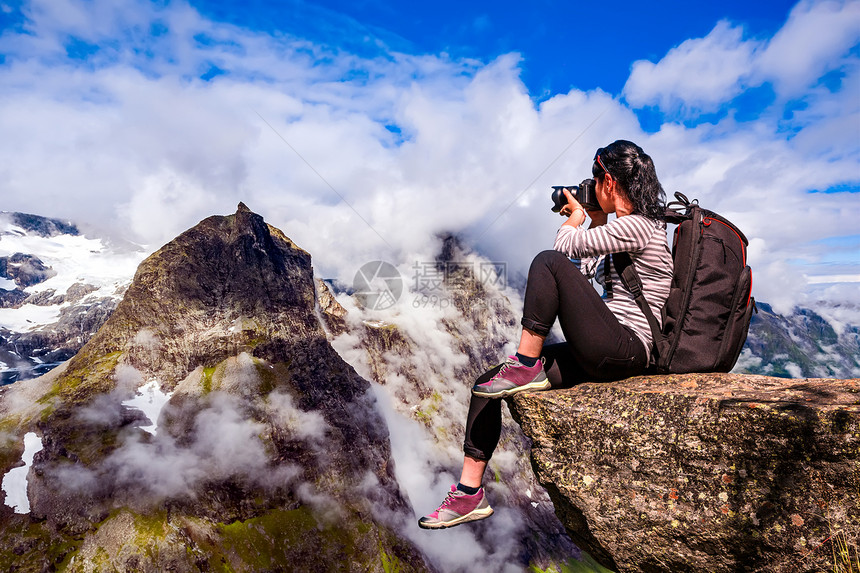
629 233
574 211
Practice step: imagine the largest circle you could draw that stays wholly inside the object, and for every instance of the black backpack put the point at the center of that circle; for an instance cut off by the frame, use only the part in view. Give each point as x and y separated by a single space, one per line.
707 315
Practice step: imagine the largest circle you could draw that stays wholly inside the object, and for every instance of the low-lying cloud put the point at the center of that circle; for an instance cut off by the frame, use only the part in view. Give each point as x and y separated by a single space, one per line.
224 441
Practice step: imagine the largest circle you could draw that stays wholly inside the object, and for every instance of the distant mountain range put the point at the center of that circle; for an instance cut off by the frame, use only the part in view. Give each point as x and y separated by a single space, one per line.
803 344
57 287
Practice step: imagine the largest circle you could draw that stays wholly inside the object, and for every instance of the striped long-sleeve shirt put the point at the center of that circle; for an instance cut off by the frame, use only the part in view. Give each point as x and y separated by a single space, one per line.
646 242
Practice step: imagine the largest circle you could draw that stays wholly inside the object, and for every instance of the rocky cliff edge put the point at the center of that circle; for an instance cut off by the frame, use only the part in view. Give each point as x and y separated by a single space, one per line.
704 472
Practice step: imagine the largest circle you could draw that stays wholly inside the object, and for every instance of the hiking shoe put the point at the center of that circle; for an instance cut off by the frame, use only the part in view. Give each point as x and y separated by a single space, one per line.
458 507
513 377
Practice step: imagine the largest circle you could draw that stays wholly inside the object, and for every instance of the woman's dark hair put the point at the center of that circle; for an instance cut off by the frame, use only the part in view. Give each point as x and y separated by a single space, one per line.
634 170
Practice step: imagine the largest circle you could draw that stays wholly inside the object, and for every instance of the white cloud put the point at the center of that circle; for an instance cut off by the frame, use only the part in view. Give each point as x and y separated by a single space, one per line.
287 416
829 279
699 74
704 74
223 443
397 147
164 201
815 40
418 457
228 440
794 370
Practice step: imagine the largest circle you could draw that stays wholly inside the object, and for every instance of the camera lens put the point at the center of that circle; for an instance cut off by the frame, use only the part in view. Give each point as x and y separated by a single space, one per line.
558 199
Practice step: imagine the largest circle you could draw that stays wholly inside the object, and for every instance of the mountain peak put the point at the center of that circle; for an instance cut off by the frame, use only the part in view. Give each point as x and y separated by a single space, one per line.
263 424
40 226
229 284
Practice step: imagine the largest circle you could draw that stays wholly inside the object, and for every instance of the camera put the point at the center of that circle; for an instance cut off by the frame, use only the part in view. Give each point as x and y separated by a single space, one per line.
584 193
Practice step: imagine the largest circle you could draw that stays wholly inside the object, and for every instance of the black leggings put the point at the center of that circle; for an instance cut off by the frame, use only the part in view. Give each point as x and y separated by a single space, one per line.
597 347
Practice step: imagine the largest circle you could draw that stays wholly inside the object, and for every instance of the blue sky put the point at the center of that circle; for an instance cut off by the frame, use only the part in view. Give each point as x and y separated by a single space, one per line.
564 45
365 129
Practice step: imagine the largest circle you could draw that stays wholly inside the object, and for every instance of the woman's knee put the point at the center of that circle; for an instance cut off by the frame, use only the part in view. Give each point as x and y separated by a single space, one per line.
545 263
549 258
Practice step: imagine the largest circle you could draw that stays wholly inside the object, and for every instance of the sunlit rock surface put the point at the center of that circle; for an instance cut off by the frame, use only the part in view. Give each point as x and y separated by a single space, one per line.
708 472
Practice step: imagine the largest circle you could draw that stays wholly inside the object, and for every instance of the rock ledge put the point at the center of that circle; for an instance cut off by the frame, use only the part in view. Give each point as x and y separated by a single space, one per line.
703 472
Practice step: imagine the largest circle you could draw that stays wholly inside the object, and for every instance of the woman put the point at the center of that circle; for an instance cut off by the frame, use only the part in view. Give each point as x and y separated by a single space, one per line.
607 338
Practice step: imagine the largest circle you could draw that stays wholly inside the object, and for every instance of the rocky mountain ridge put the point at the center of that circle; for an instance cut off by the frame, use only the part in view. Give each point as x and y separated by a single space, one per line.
269 454
803 344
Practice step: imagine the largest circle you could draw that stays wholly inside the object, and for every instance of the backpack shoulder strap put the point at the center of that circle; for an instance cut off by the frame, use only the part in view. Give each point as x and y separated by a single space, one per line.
631 280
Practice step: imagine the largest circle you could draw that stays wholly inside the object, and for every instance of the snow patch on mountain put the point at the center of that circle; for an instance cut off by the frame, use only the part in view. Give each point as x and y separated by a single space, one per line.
76 259
150 400
57 287
29 317
14 483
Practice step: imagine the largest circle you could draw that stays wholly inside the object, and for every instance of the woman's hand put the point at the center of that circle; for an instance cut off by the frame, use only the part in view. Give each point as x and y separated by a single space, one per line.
574 211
